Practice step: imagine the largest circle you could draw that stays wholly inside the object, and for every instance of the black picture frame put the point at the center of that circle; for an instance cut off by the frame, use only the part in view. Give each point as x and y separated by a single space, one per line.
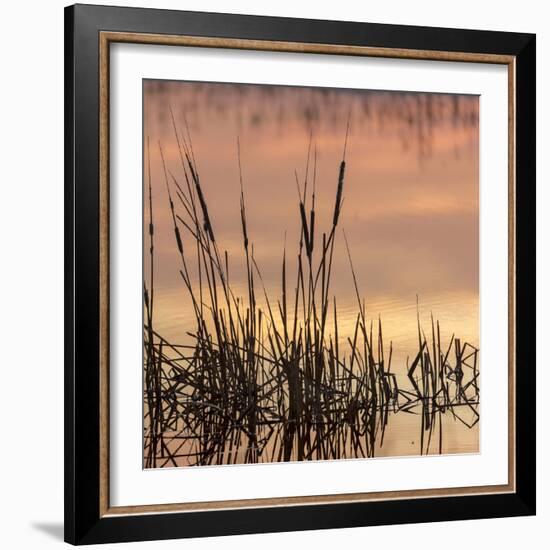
84 524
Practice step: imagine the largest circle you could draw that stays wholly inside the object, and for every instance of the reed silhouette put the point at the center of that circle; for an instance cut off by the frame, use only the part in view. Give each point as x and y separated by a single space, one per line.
272 382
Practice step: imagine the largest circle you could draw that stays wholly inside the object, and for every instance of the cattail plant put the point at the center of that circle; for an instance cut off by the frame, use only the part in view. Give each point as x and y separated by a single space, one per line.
275 382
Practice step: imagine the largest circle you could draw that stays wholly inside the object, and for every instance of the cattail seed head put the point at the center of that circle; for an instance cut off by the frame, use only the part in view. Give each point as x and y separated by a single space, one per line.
178 239
338 204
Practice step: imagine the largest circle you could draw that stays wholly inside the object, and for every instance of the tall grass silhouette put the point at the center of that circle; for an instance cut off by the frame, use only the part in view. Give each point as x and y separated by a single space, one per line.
272 382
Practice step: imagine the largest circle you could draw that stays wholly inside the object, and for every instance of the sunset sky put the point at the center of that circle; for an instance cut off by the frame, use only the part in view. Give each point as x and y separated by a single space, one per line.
410 208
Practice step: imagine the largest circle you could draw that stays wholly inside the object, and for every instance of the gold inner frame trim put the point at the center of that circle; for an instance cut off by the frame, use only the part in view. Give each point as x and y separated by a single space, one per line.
105 39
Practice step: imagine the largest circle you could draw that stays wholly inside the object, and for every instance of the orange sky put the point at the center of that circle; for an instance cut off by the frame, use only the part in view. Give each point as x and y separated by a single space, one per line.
411 194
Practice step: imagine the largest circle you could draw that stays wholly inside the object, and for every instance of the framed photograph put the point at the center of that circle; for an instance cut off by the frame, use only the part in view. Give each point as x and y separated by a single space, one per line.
300 274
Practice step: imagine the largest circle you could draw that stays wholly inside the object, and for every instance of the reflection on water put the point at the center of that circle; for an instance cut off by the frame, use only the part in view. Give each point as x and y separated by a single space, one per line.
401 439
399 316
409 212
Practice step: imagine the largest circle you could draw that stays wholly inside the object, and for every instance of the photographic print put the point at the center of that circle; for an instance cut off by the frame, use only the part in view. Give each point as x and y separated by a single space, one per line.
310 274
